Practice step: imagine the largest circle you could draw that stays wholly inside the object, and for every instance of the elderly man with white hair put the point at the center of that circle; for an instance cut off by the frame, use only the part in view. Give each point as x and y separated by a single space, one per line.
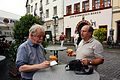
30 54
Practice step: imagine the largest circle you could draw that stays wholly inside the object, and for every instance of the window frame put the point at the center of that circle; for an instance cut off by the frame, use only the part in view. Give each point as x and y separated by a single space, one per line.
68 9
107 3
77 8
47 2
47 13
85 6
31 9
55 10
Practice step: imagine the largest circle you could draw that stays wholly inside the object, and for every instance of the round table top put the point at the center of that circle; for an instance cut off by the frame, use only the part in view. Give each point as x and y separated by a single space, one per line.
2 57
55 48
58 72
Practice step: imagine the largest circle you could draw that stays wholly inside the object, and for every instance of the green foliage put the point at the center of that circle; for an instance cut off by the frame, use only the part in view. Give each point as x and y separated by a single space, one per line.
13 51
45 43
100 34
21 32
21 29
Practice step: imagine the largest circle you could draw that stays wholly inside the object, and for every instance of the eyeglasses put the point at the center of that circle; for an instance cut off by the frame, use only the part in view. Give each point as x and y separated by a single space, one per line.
39 36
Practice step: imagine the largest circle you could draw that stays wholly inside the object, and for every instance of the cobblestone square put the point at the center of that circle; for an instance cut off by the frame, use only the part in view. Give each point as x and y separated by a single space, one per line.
109 70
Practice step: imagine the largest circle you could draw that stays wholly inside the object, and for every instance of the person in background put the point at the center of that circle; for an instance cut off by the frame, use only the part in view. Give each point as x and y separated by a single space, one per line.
76 35
89 49
110 41
47 37
30 54
62 39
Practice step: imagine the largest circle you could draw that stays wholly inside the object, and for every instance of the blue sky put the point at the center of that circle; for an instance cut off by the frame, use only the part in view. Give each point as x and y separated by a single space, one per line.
13 6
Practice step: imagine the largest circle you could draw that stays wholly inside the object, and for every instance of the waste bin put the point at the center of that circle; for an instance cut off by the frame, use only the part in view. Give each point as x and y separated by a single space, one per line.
3 68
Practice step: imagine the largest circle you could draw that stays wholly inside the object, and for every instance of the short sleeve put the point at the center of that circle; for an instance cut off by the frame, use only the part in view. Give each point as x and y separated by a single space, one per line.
22 57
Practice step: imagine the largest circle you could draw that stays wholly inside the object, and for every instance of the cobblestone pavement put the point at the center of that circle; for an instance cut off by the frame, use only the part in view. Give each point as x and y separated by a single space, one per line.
109 70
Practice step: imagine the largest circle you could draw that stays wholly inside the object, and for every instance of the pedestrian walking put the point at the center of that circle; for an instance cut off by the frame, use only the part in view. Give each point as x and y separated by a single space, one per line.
75 40
62 39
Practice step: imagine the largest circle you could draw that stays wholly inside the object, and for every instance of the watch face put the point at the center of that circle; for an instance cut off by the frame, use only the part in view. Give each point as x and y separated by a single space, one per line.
90 62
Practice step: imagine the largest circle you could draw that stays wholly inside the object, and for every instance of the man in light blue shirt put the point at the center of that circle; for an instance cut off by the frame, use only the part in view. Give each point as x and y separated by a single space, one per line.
30 54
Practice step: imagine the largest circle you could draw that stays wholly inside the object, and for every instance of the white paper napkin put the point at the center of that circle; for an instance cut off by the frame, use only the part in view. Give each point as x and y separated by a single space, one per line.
52 63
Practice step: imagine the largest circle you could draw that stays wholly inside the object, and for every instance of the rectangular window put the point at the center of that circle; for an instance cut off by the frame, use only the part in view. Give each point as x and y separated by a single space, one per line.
47 13
85 6
55 10
48 27
68 10
77 8
31 1
97 4
28 9
47 2
107 3
35 5
31 9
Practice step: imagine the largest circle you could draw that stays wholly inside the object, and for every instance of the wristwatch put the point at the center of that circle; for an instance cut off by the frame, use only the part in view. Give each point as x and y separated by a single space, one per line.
90 62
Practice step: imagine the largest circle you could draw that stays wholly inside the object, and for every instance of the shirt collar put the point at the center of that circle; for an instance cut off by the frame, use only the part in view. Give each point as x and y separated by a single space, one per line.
30 42
89 41
33 45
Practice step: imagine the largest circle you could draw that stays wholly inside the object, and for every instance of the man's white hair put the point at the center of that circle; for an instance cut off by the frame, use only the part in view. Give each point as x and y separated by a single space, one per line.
34 27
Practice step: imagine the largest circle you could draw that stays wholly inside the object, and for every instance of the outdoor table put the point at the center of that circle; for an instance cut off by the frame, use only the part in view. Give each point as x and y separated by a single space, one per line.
55 49
3 68
2 58
58 72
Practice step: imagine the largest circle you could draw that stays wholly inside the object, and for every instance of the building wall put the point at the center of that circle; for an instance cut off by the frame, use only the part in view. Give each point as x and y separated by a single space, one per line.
49 21
6 29
50 5
116 3
116 17
101 17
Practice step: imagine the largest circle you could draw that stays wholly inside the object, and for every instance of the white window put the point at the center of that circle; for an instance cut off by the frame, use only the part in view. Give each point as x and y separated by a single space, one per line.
35 5
31 8
47 1
55 10
47 13
28 9
31 1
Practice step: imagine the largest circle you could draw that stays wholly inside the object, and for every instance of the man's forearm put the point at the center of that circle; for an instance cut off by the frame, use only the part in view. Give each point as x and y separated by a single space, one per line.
96 61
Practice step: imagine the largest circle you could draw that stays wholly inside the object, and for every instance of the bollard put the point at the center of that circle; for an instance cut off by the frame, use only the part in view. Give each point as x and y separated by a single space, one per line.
3 68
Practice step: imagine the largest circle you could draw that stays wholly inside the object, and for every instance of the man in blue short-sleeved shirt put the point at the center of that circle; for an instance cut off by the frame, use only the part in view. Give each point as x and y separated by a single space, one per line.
30 54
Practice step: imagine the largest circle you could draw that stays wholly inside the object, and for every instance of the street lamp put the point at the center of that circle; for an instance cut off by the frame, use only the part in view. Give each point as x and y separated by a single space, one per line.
55 25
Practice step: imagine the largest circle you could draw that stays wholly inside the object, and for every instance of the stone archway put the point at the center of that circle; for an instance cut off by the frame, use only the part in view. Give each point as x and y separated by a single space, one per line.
81 24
